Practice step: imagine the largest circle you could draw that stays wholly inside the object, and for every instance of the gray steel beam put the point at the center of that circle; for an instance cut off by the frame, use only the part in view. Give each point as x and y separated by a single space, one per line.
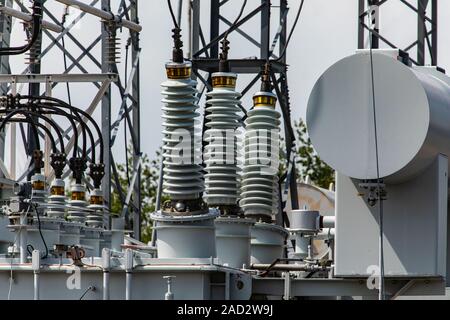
5 34
135 50
106 111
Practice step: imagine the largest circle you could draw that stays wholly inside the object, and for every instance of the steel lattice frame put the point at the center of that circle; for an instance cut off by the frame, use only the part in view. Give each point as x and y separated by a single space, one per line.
427 28
205 54
129 110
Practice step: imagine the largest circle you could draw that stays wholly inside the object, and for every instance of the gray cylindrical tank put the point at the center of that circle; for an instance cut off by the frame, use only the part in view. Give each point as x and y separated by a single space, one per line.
412 113
268 243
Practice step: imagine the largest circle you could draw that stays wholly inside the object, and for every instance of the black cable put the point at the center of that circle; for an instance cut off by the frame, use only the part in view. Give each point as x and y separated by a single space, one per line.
62 104
30 121
175 23
40 231
36 114
377 159
71 118
63 42
225 37
91 288
283 53
37 17
33 126
125 122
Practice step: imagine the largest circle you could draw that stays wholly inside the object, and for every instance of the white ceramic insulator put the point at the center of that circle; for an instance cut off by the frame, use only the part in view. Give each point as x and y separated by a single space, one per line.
57 203
183 177
222 152
80 214
95 211
259 190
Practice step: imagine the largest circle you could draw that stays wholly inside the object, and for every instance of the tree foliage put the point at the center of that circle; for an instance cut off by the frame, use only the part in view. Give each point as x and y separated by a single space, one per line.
149 189
308 161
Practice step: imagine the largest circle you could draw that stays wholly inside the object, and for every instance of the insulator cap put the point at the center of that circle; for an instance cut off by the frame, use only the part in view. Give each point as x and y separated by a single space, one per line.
224 80
261 99
177 71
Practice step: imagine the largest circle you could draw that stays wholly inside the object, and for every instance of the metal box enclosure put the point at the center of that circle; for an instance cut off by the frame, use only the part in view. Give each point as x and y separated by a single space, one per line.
415 226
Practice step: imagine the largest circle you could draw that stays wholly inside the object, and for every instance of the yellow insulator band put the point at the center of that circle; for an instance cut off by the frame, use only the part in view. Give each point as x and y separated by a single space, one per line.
224 82
178 73
96 200
57 191
80 196
38 185
260 101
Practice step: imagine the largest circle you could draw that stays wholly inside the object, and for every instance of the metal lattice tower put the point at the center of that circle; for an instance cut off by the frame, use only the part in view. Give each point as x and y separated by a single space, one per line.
205 58
108 79
426 44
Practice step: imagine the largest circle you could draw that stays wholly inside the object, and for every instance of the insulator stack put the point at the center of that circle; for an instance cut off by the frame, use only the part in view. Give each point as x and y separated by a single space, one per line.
221 153
38 191
32 56
78 200
113 48
183 178
259 190
96 209
57 200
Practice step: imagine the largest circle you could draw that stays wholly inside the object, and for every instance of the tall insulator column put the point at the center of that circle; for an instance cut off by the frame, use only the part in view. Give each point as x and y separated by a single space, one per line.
185 226
222 152
183 180
259 189
57 200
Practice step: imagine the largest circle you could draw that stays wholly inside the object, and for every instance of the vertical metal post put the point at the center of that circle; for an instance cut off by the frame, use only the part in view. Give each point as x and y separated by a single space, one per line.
195 36
214 28
283 35
434 32
106 113
34 90
361 30
5 33
265 29
421 31
374 23
137 199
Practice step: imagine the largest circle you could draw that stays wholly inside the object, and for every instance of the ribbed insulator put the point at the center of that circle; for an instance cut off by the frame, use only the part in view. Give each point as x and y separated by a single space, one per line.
113 48
78 200
183 178
57 200
39 192
95 209
259 190
32 56
222 152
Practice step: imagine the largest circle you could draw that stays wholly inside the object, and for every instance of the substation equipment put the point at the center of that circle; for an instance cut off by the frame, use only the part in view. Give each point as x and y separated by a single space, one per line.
228 224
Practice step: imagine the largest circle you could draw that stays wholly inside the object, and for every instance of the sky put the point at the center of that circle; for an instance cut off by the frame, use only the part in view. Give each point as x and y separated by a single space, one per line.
326 33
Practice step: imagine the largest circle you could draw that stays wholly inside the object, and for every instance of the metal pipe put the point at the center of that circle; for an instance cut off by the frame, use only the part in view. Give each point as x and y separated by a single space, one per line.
102 14
106 257
28 18
129 278
290 267
36 265
129 274
23 237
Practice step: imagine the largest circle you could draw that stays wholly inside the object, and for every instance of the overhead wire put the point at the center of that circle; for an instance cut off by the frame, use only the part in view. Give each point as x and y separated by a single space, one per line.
381 295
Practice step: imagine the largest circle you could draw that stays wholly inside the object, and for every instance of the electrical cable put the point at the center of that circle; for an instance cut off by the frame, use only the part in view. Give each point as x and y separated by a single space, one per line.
37 17
225 37
175 23
91 288
283 53
59 103
381 295
63 42
48 120
45 256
